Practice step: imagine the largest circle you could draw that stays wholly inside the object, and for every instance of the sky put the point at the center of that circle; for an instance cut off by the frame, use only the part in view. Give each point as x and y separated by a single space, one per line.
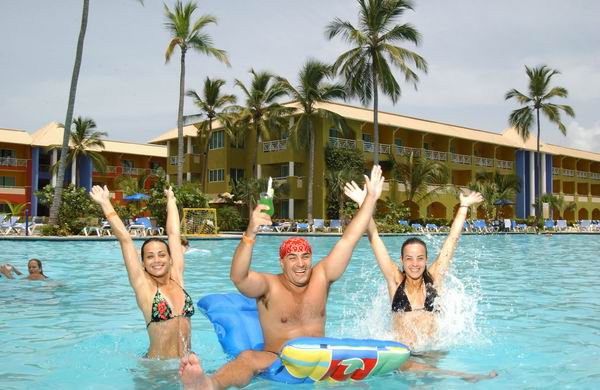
476 51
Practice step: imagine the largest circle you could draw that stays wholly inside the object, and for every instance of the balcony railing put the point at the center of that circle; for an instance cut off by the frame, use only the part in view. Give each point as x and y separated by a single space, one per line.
13 162
173 160
555 171
568 172
370 147
405 151
275 145
484 162
460 159
109 169
435 155
595 176
582 174
343 143
503 164
10 190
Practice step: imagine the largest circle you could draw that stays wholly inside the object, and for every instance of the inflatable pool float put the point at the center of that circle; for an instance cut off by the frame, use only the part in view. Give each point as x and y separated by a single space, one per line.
302 360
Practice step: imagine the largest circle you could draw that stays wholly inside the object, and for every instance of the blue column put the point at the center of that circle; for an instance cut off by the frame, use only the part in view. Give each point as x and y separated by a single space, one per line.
549 180
85 172
35 169
523 173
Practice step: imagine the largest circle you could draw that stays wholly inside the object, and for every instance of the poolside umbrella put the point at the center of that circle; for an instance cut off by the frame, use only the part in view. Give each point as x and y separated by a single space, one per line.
503 202
136 197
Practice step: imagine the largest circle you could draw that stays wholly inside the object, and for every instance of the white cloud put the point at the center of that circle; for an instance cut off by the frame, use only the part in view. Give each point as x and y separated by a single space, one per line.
581 138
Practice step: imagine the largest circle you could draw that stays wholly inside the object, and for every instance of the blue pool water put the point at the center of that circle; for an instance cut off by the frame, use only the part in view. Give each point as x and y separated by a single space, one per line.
526 306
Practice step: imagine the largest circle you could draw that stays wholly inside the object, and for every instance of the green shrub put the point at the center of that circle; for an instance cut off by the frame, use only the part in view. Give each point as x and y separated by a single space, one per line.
229 218
188 195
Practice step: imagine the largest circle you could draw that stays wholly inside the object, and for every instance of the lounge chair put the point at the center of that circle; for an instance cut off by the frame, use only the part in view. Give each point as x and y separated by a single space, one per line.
481 227
432 227
467 227
548 224
134 228
282 226
507 225
302 226
335 224
319 224
561 225
417 227
12 225
149 227
585 225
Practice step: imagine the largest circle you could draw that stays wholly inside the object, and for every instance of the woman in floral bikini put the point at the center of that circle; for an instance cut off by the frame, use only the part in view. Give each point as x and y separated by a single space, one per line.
157 280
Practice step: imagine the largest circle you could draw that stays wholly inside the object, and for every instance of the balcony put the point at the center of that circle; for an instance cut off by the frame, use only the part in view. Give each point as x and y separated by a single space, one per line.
109 169
555 171
296 186
484 162
12 190
275 145
406 151
370 147
503 164
460 159
343 143
582 174
595 176
435 155
568 172
13 162
133 171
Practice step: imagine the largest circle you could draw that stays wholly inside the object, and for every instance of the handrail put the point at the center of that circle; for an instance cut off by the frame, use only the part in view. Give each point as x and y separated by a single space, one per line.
484 161
460 158
275 145
13 162
504 164
343 143
435 155
406 150
370 147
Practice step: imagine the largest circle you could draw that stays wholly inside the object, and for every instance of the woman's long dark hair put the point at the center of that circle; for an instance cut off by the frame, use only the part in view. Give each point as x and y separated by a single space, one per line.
154 239
39 263
414 240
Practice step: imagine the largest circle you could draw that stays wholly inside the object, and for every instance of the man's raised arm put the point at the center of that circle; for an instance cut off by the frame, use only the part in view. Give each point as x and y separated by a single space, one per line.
250 283
336 262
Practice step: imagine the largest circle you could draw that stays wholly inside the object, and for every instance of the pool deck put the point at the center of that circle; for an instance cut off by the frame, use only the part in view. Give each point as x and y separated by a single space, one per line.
238 235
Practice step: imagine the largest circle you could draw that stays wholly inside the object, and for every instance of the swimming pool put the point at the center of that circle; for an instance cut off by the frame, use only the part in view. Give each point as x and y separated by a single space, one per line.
524 305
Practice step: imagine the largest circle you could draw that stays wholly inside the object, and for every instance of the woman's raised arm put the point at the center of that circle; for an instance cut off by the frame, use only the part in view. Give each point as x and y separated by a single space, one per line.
174 234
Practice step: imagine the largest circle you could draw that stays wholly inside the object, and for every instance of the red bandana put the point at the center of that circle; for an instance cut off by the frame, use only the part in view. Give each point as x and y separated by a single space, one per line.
294 244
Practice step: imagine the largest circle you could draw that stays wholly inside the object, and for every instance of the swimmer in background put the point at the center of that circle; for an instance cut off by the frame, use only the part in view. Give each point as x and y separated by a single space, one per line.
34 267
414 288
156 279
8 269
185 245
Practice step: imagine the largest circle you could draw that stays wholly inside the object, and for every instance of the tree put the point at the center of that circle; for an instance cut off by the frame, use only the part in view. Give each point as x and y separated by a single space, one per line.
422 178
311 90
214 105
84 140
558 203
15 209
248 191
368 65
262 114
56 201
60 178
495 189
522 119
187 35
336 180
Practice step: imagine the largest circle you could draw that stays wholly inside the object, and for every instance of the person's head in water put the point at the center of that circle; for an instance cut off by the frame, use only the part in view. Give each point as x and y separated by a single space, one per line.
185 244
156 257
414 259
295 257
34 266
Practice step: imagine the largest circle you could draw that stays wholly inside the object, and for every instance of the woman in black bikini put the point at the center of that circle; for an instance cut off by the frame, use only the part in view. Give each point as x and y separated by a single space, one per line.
413 288
157 280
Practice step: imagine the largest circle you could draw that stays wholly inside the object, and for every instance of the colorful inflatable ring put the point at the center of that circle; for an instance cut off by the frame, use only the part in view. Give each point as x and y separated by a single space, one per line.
302 360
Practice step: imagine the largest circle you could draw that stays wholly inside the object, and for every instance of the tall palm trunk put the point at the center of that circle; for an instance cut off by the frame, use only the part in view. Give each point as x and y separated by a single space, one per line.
538 164
180 121
375 118
58 190
203 179
255 152
311 169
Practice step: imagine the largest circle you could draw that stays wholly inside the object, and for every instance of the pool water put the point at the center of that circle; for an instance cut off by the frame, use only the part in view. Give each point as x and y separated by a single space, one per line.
526 306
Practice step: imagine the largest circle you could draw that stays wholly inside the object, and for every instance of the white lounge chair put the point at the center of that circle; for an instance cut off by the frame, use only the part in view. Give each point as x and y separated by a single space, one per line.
335 224
319 224
561 225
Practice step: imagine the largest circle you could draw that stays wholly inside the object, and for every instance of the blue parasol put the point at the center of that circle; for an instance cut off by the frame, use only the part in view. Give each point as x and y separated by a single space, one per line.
503 202
136 197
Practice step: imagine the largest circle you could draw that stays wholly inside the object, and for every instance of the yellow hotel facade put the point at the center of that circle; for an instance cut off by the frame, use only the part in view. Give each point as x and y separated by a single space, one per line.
573 173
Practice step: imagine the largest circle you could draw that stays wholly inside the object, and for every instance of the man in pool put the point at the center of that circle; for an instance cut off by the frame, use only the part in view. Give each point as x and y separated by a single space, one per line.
291 304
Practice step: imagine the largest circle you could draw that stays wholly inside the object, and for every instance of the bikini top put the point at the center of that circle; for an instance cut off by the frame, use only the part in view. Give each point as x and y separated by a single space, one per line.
161 310
401 302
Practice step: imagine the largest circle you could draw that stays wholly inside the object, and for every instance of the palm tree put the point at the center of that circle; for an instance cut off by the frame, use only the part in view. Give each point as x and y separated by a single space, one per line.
130 185
540 93
248 191
367 66
495 189
84 140
311 90
336 180
187 35
262 115
422 178
214 105
558 203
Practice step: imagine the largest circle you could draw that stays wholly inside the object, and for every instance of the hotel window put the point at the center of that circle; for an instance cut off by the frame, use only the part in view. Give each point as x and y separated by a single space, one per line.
283 209
284 170
237 142
127 166
333 132
217 140
426 145
7 153
8 181
216 175
397 142
236 174
366 137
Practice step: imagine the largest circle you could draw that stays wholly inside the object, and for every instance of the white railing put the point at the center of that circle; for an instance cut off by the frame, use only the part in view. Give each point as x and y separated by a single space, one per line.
569 198
405 150
370 147
503 164
595 199
460 158
435 155
595 176
275 145
386 186
343 143
173 160
133 171
13 162
568 172
12 190
484 162
555 171
582 174
582 198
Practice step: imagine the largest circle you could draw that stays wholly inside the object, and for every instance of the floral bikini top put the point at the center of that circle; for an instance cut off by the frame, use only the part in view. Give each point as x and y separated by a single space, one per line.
161 310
